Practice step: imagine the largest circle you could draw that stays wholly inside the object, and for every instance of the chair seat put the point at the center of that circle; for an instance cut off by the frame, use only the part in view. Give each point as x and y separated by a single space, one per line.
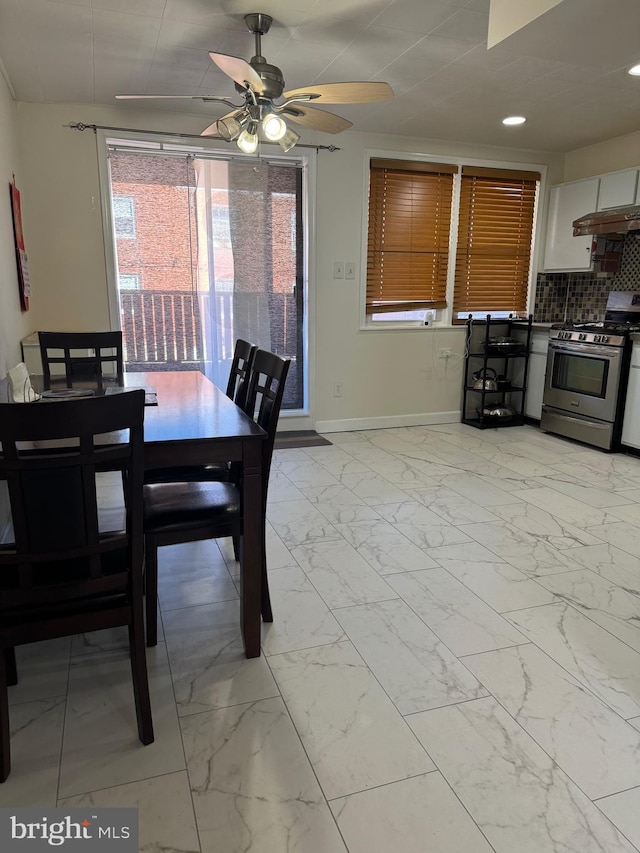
186 473
92 607
187 505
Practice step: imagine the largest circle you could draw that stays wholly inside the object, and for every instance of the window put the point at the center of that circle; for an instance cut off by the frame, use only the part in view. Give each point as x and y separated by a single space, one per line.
414 227
128 282
495 231
408 238
124 219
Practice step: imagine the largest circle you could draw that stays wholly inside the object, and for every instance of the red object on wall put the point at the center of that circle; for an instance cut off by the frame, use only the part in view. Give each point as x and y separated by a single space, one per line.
21 255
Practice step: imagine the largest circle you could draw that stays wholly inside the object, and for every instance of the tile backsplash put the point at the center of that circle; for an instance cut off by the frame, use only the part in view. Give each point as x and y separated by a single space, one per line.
583 295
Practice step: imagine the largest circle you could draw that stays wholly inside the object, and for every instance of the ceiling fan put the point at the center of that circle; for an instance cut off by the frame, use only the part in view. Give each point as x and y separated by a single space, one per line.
260 117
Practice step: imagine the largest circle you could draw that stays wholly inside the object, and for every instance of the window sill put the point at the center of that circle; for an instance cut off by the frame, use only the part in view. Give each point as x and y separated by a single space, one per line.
407 327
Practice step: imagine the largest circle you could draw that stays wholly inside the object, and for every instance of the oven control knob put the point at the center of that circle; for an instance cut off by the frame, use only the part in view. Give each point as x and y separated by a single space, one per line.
596 339
582 336
604 338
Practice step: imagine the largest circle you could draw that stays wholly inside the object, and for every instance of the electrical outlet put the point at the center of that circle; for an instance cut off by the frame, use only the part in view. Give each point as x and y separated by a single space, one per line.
338 389
444 352
349 270
338 269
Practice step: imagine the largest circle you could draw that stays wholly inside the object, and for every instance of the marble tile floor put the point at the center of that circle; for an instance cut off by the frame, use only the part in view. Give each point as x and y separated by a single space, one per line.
454 665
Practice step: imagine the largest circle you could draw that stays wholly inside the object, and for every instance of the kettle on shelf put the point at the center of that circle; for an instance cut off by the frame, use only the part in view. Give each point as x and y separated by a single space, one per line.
484 381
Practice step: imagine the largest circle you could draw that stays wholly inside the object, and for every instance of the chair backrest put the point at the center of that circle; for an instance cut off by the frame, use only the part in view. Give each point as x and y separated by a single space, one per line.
71 349
237 386
264 399
19 385
58 552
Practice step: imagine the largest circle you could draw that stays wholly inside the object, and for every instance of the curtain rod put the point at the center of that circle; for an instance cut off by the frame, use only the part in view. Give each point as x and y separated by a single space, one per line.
81 126
204 154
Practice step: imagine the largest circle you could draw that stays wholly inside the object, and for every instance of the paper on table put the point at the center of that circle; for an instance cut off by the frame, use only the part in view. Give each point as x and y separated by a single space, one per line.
20 384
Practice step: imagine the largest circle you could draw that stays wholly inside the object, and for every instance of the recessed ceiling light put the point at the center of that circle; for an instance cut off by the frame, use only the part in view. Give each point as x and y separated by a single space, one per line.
634 70
514 120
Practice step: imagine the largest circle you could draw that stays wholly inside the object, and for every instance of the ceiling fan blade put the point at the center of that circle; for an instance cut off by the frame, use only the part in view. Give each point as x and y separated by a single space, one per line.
239 70
222 98
344 93
316 119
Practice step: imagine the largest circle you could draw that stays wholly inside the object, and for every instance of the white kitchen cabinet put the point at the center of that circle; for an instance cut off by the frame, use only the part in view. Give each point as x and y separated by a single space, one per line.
536 374
567 202
617 189
631 422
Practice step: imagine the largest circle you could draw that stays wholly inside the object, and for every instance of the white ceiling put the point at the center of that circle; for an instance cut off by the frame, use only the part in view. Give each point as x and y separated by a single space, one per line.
565 71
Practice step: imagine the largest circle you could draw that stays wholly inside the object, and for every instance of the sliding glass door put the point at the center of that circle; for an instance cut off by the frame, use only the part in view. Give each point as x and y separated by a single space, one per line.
206 251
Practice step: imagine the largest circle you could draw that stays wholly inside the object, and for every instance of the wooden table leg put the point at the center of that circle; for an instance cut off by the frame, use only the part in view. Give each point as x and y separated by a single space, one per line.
251 552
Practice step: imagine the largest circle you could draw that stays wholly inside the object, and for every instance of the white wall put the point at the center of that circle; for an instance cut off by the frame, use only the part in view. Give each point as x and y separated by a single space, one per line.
389 377
13 323
622 152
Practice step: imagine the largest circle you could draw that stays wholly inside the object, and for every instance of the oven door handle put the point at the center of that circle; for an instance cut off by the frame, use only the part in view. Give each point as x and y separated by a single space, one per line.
586 349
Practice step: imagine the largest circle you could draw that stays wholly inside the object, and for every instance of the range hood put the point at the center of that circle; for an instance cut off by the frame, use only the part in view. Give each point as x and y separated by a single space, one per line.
615 220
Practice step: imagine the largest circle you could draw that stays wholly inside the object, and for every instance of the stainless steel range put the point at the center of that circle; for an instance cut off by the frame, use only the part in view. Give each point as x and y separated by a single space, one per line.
587 372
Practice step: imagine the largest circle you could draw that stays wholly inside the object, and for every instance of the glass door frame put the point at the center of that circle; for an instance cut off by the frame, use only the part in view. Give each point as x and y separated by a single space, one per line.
299 419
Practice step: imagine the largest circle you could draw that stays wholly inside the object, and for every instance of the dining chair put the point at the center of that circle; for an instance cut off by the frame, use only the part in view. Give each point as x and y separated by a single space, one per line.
72 350
192 510
60 573
237 387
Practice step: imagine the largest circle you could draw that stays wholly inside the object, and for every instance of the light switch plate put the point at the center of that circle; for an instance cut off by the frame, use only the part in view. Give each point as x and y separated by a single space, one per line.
349 270
338 269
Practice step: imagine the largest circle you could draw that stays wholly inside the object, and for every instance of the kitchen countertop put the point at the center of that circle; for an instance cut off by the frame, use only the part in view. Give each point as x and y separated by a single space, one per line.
536 326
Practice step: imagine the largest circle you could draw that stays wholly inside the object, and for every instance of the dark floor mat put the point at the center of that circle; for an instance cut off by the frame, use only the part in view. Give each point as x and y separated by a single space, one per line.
301 438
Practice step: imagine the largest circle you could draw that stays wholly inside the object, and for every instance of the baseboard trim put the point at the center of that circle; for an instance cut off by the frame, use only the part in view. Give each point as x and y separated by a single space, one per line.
420 419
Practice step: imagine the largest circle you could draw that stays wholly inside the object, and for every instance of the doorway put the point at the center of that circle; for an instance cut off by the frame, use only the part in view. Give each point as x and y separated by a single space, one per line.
208 250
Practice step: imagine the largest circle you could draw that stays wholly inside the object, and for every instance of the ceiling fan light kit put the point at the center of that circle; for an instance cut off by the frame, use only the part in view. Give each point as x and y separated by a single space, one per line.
260 118
289 140
247 142
229 127
274 127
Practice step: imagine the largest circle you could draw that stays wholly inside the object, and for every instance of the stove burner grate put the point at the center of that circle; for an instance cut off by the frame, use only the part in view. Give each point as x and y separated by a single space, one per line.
601 325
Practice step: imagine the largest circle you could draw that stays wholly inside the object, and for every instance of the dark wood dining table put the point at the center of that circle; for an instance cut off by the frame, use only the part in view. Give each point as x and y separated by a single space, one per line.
194 422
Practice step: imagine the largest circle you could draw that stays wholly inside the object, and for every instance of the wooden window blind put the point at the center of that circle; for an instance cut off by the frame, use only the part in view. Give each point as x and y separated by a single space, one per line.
408 239
495 231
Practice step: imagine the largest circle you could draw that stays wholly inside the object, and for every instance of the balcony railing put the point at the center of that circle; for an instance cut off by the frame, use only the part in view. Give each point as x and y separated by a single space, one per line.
176 330
161 330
